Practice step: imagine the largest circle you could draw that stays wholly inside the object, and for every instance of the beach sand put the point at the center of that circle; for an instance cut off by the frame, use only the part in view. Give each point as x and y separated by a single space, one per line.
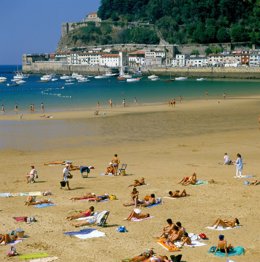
160 143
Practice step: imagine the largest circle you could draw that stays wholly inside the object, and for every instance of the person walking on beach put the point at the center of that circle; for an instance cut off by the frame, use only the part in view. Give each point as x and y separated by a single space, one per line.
16 108
67 175
123 102
42 107
239 166
110 103
31 108
3 109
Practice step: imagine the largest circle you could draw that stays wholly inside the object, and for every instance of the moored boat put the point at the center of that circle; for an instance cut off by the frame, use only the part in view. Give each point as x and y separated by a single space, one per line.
180 78
131 80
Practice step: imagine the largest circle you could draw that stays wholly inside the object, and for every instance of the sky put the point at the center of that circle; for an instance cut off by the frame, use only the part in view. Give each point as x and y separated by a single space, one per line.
34 26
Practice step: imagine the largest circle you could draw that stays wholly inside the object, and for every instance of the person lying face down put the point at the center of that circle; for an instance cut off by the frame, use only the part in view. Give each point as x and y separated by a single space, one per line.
177 193
31 200
138 182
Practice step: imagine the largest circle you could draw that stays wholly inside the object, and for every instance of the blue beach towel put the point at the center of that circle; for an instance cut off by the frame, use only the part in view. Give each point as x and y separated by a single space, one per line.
81 232
201 182
158 202
236 251
44 205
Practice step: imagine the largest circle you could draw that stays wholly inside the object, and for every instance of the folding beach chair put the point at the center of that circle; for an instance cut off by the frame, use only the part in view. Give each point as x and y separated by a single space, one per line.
102 218
121 171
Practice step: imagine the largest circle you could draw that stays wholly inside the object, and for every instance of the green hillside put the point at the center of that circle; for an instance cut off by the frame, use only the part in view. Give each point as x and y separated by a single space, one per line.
173 21
191 21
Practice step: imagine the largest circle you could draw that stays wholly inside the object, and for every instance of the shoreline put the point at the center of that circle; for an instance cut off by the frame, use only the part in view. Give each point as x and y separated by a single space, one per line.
90 112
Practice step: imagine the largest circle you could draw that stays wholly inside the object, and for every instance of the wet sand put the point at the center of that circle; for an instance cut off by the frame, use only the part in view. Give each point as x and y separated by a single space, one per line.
160 143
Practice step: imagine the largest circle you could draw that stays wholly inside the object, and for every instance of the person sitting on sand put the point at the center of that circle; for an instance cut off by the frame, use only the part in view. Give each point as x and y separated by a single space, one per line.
226 223
190 180
175 235
136 213
185 239
222 245
87 213
227 160
91 197
148 200
134 198
110 170
31 200
168 228
177 193
137 182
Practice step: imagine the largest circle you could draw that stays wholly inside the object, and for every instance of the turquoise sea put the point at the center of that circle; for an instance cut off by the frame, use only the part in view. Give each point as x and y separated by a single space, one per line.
60 95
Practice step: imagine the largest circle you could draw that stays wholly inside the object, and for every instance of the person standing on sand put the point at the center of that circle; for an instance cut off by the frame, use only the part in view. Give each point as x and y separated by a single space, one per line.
66 175
110 103
16 108
42 107
3 109
239 166
123 102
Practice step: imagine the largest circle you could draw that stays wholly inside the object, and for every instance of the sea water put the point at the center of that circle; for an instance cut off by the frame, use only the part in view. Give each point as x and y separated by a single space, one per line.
60 95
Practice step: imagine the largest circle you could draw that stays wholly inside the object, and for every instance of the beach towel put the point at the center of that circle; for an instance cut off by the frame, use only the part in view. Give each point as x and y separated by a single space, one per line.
158 202
46 259
33 255
220 228
134 219
20 219
170 197
5 194
103 174
163 244
201 182
236 251
194 243
86 233
44 205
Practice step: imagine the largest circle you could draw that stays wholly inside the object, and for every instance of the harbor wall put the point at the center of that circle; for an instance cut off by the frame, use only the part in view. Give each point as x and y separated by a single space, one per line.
209 72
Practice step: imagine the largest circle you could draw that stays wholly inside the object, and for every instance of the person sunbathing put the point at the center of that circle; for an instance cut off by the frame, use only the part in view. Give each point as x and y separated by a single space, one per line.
57 163
134 198
177 193
110 170
91 197
175 235
226 223
168 228
143 257
31 200
5 238
137 182
148 200
90 220
254 183
136 213
222 245
185 239
190 180
87 213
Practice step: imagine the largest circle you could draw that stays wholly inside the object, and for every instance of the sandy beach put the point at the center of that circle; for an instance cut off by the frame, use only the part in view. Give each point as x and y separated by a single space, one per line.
158 142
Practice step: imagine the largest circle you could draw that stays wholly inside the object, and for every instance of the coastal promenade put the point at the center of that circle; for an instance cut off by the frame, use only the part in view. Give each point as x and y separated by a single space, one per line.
209 72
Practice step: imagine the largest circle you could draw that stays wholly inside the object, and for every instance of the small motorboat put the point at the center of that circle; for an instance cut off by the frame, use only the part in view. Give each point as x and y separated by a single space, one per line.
131 80
180 78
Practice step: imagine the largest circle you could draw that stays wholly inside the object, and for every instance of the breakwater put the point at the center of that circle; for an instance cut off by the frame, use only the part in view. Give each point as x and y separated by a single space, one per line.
209 72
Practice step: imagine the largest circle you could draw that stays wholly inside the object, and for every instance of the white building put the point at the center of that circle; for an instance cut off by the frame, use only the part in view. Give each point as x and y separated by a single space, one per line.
196 61
110 60
254 58
136 59
92 17
179 61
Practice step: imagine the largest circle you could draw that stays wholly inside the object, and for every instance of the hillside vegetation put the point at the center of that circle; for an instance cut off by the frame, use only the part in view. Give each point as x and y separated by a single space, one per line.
174 21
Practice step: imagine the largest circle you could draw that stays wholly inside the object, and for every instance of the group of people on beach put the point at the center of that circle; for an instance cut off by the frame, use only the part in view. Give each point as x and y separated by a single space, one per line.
31 108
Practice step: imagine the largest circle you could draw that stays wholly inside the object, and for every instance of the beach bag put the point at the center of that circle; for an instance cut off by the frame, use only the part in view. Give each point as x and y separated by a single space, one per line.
62 183
122 229
112 197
